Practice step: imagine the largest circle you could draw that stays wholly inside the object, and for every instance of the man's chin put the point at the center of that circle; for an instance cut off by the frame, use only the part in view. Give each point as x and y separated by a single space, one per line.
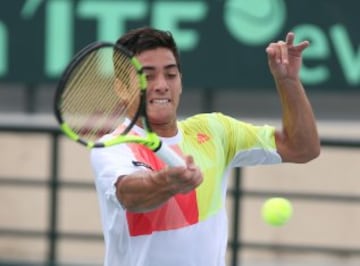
160 120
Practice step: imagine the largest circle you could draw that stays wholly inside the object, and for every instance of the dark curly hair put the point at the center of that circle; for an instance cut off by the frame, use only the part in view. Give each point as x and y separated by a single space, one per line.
147 38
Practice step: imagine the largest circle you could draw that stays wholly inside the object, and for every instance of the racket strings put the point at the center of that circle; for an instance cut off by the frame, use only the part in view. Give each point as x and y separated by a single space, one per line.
101 91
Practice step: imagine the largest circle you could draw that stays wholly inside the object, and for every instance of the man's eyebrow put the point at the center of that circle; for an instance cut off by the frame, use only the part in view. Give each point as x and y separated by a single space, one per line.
151 68
171 66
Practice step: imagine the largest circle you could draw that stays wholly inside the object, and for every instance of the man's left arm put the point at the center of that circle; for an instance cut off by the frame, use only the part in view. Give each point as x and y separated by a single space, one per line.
298 141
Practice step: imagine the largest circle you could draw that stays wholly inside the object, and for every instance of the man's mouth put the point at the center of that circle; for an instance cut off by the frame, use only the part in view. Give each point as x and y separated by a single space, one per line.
160 101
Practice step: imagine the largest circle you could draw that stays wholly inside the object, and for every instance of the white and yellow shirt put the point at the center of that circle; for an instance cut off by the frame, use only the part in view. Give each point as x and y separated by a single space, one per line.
191 229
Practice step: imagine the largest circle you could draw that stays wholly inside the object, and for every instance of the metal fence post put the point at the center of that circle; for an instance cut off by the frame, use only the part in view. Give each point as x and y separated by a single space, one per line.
237 195
53 202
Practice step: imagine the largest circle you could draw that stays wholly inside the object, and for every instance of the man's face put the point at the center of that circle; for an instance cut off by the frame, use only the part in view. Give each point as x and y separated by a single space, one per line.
164 85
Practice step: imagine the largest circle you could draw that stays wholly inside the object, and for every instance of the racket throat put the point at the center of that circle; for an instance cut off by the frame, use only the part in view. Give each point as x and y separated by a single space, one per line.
154 143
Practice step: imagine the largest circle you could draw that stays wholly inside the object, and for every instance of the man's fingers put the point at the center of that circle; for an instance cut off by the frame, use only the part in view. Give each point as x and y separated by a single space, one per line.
302 46
290 38
279 52
189 159
283 57
190 162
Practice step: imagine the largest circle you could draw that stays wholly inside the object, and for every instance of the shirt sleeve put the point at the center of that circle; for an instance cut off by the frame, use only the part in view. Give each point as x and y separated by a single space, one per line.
247 144
108 165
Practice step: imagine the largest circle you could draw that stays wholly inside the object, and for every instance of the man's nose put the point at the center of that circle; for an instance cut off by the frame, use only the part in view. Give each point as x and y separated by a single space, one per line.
161 84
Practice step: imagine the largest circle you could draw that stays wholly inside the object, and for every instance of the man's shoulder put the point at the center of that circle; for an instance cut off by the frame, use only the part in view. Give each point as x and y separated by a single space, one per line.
214 119
205 123
203 117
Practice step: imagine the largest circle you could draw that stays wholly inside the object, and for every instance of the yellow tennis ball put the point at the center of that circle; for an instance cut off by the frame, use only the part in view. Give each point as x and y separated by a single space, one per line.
277 211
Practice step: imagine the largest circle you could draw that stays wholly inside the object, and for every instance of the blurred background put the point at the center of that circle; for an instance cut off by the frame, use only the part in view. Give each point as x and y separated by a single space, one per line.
49 211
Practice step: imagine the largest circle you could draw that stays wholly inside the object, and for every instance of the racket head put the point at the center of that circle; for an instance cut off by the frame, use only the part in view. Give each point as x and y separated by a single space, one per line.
102 86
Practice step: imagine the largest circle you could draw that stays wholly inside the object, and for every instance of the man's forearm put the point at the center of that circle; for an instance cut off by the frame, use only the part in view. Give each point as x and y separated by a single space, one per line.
299 125
142 191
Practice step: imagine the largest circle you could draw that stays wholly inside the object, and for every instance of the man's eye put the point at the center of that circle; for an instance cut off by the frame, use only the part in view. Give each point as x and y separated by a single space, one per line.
171 75
149 77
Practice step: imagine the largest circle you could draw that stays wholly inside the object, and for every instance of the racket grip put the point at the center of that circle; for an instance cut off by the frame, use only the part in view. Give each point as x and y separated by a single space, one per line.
169 156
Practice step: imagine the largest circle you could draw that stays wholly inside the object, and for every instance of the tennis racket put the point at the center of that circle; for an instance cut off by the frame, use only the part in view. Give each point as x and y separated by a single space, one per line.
101 88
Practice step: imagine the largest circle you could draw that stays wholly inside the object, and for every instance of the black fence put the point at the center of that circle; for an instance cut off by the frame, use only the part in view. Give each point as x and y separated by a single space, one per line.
53 183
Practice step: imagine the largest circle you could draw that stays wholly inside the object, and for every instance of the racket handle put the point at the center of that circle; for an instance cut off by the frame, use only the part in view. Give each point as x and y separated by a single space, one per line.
169 156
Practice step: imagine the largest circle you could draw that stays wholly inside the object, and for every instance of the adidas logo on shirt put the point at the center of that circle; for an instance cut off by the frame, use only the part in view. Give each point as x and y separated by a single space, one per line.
201 138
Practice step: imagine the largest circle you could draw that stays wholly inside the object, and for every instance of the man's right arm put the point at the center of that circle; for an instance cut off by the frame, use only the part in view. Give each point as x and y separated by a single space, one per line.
145 190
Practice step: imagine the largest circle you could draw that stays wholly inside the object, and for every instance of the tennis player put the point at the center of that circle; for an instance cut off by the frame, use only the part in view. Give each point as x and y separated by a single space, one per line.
153 215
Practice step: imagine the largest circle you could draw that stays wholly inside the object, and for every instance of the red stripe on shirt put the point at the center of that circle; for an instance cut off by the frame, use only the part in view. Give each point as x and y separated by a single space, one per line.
179 211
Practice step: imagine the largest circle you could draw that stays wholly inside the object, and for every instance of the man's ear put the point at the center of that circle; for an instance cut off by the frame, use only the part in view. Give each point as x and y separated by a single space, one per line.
117 86
124 89
129 97
181 76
